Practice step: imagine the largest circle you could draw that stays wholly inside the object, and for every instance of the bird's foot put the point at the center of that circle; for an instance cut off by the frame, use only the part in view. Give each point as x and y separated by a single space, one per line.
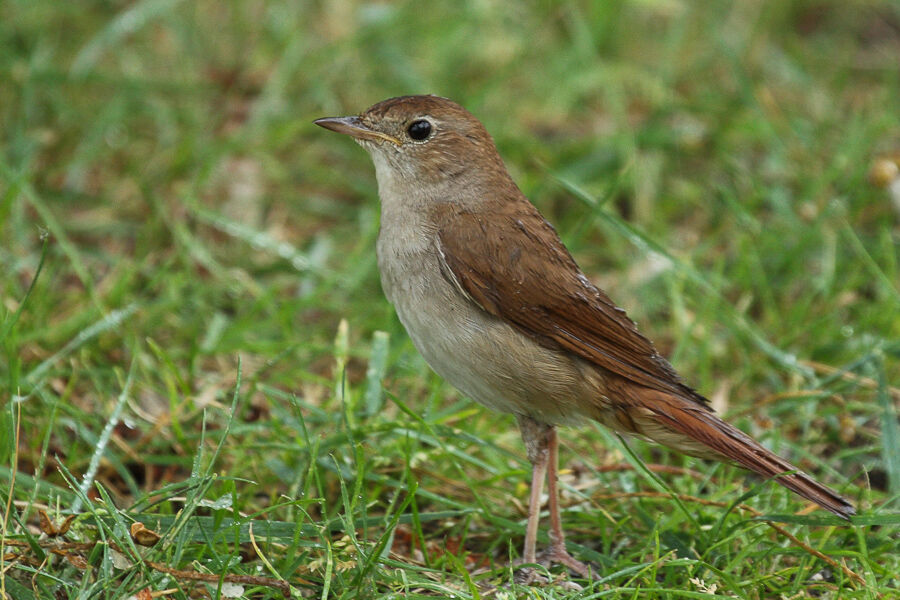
529 576
557 554
554 555
532 576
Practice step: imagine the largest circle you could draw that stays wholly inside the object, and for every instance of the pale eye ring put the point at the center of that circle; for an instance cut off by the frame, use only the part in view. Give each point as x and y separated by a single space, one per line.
419 129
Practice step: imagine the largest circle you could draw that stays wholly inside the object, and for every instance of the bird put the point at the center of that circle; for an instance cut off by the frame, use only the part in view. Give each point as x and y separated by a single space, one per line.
497 306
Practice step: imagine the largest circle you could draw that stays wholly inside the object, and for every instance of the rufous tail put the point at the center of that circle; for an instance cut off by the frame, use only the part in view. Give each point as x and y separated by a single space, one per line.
699 424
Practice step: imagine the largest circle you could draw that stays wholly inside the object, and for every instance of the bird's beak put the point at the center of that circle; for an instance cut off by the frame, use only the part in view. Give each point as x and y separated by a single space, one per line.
354 127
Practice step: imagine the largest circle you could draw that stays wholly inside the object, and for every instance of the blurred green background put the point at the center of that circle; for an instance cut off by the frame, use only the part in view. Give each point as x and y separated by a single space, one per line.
191 306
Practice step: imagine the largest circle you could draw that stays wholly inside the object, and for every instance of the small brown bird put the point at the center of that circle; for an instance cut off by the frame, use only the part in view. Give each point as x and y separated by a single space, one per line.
497 306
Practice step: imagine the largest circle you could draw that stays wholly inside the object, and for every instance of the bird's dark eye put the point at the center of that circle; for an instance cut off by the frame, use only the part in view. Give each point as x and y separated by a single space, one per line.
419 130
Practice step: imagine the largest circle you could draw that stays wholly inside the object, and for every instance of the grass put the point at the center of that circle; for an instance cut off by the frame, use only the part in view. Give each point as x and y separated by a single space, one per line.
194 344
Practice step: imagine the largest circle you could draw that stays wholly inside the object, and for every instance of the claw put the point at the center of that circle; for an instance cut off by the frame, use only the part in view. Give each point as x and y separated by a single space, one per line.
558 555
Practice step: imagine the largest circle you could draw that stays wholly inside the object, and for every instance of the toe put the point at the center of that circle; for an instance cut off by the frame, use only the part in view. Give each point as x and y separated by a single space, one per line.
560 556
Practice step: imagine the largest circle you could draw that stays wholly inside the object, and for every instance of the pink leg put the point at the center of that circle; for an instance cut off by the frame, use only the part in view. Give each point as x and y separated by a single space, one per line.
542 447
557 551
557 537
538 472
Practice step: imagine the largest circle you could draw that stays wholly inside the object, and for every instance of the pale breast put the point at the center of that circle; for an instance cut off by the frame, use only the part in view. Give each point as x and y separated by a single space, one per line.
482 356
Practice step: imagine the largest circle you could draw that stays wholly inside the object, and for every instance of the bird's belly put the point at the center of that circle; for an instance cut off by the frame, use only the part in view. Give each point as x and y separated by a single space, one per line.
484 357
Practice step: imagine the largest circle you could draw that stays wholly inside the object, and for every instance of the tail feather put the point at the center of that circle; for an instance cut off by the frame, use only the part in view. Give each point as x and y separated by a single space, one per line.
700 425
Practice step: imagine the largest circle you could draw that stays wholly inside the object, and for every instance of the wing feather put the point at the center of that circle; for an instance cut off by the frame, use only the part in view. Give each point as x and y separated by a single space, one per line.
515 267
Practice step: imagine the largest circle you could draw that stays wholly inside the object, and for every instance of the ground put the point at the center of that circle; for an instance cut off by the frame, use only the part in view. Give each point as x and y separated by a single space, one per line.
199 366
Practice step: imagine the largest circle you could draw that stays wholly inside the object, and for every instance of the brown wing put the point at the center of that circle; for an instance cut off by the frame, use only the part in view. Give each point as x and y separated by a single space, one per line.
502 265
507 274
